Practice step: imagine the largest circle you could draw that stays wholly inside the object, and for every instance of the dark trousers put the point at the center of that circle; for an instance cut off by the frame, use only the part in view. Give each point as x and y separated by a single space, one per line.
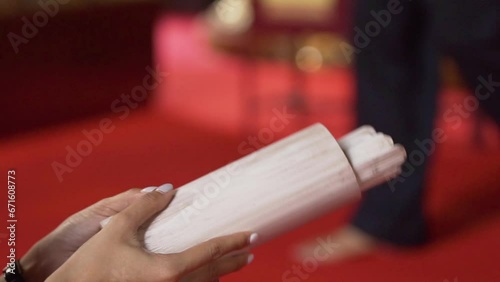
398 80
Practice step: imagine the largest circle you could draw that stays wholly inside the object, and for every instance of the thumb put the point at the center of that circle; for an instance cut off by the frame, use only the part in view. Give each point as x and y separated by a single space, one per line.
115 204
146 206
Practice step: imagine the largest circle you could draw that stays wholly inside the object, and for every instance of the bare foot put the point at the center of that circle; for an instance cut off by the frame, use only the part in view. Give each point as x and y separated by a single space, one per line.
344 244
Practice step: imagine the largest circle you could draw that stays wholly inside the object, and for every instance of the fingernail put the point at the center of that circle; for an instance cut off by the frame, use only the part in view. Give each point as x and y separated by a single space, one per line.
105 221
165 188
250 258
253 238
149 189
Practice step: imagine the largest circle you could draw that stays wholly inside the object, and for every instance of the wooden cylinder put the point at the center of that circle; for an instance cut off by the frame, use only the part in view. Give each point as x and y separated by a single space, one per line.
270 192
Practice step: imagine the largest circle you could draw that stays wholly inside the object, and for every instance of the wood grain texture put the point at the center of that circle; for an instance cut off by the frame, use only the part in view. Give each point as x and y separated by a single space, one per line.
270 191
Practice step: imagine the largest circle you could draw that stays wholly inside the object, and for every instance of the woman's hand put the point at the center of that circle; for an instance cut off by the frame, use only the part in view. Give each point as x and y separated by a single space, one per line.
51 252
116 253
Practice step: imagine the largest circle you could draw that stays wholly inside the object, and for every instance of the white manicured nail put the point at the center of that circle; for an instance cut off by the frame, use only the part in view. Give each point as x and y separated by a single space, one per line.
250 258
105 221
149 189
253 238
165 188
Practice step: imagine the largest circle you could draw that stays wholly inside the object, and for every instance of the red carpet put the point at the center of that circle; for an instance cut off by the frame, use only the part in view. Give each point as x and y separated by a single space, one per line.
161 145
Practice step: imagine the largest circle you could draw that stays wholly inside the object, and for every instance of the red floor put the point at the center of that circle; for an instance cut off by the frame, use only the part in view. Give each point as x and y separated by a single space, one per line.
160 144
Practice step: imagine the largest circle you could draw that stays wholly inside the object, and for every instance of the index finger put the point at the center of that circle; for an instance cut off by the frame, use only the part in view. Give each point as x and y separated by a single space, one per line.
211 250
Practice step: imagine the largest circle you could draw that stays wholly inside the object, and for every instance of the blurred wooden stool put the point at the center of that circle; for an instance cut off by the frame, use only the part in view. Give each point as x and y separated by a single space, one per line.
303 33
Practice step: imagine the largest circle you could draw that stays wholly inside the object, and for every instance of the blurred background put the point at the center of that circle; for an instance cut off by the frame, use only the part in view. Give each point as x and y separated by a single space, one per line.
101 96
